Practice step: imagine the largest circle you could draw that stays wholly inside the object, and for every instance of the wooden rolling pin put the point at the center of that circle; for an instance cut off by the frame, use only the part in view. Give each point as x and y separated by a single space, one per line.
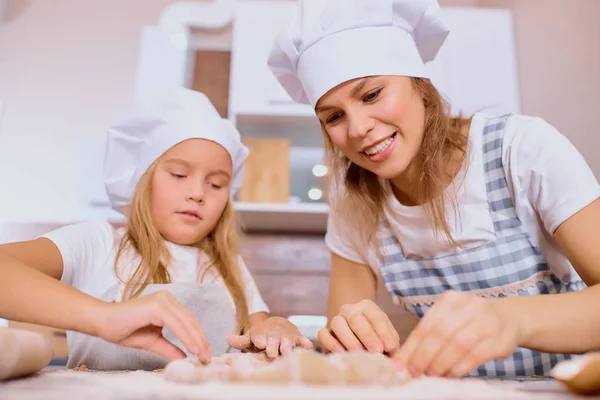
23 352
581 375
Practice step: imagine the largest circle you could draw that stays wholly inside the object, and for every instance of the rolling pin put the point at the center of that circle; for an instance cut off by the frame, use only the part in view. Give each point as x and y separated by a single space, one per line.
23 352
581 375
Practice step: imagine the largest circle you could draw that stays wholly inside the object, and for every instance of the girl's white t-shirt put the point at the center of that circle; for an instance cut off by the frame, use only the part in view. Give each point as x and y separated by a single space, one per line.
89 248
548 180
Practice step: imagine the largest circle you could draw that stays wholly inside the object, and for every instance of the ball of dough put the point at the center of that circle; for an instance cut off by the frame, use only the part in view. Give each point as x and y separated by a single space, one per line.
299 366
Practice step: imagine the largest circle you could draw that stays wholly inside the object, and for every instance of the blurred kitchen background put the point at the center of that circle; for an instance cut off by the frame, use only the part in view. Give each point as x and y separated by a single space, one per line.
69 68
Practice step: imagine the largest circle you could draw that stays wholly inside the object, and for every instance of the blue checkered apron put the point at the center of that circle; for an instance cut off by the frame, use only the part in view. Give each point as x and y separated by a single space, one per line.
511 265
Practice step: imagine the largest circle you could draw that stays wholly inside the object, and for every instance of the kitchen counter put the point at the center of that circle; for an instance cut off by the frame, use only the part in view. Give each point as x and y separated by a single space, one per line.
58 383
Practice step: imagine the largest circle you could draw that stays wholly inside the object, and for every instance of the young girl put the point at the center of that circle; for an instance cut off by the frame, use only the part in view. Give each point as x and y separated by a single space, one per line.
484 227
171 168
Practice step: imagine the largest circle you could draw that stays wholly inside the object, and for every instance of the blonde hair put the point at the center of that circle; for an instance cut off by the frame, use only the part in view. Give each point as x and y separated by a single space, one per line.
362 205
142 236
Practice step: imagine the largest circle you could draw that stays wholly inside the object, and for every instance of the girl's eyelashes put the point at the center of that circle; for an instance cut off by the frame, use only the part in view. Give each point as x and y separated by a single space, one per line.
177 176
333 118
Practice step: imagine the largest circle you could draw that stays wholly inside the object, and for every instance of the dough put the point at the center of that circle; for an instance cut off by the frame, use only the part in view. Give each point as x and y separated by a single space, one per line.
23 352
299 366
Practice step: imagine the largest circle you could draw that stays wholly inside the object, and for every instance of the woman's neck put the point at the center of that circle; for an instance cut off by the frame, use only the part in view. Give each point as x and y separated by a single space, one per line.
407 187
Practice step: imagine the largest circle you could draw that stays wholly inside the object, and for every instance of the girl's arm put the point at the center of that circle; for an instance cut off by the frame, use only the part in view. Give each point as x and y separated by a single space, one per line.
258 317
41 254
33 294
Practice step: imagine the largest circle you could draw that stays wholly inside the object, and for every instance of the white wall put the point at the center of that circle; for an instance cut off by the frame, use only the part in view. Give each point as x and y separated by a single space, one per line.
67 69
559 59
560 66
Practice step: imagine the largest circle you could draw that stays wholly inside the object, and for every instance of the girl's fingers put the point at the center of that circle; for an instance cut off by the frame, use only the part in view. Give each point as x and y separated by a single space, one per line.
273 342
160 312
167 349
240 342
196 334
259 340
287 344
304 342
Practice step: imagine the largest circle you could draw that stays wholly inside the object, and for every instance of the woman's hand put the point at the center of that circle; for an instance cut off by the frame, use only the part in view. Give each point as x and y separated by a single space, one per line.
275 335
138 323
461 332
360 326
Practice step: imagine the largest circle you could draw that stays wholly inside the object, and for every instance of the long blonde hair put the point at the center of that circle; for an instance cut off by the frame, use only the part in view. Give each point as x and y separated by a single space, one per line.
364 199
142 236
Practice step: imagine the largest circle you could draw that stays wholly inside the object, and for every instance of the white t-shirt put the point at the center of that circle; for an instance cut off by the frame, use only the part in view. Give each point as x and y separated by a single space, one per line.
548 180
89 249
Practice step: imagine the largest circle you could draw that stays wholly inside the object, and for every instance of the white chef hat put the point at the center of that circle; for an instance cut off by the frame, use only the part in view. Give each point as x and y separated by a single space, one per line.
152 128
333 41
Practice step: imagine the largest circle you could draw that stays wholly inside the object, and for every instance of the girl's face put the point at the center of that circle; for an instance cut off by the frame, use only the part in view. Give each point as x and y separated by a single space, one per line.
190 189
377 122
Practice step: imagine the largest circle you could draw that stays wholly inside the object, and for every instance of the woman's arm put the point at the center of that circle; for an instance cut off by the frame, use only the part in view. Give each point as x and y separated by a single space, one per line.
463 331
570 322
349 283
355 321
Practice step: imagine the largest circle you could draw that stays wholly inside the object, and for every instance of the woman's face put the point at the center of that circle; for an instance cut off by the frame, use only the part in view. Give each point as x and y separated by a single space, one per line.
377 122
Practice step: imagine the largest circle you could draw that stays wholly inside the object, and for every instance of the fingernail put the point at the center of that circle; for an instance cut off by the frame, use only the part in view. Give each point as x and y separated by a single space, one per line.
390 343
566 370
375 347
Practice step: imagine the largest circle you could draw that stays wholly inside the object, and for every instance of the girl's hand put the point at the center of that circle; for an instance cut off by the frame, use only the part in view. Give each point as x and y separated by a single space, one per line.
461 332
360 326
275 335
138 323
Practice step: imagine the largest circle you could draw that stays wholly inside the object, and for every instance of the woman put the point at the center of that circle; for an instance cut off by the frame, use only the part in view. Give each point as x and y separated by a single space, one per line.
483 227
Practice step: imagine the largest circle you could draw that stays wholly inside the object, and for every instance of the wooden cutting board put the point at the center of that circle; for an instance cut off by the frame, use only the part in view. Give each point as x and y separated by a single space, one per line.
267 171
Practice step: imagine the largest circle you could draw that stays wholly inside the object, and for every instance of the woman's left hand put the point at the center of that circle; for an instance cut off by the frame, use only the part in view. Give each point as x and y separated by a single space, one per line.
461 332
275 335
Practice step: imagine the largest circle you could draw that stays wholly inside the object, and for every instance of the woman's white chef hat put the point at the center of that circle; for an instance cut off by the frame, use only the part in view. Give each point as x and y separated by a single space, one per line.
152 128
333 41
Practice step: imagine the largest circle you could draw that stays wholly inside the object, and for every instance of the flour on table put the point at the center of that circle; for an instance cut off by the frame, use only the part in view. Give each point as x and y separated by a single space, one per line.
299 366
